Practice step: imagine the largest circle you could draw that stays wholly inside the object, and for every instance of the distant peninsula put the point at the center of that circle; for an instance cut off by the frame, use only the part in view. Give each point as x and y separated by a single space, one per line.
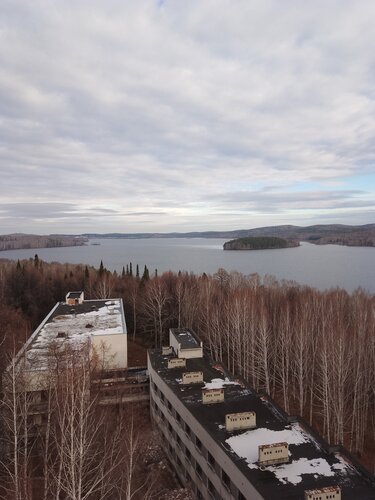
20 241
320 234
259 243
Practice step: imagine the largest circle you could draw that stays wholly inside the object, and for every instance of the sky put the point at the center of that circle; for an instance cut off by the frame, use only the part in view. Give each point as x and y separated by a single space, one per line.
184 115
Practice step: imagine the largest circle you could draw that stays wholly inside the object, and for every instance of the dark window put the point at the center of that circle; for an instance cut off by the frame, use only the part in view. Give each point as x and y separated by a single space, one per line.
211 489
170 428
240 496
187 430
178 417
198 443
188 455
226 479
169 406
199 470
211 460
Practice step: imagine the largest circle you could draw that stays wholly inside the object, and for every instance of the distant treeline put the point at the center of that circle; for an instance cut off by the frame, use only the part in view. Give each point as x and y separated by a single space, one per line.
338 234
312 351
27 241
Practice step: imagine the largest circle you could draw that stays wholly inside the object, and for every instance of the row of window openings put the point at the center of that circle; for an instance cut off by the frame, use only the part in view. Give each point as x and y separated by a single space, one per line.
210 459
198 444
187 430
272 451
198 470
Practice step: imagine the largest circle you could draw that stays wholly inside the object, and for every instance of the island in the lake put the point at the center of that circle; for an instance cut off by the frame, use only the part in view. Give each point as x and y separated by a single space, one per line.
259 243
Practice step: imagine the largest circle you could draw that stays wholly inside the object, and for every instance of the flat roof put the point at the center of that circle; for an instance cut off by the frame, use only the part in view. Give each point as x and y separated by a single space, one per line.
74 324
74 295
185 337
313 464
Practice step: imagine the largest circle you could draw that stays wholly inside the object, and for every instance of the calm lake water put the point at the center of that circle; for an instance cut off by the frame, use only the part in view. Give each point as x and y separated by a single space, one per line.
319 266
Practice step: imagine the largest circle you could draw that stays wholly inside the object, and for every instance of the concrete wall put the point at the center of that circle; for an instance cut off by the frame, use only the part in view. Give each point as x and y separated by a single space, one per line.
237 421
197 352
176 363
210 396
192 378
273 453
113 347
329 493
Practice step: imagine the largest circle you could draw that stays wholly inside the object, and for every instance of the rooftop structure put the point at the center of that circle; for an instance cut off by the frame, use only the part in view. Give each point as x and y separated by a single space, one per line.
98 323
224 462
185 343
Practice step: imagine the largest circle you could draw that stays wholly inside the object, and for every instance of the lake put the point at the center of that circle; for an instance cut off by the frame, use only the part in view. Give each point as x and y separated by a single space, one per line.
318 266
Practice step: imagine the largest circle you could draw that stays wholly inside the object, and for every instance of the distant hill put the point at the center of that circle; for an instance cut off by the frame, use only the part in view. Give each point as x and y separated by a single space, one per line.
321 234
259 243
18 241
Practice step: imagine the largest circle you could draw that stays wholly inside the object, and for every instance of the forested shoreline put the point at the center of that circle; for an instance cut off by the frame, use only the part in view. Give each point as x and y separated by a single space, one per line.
312 351
28 241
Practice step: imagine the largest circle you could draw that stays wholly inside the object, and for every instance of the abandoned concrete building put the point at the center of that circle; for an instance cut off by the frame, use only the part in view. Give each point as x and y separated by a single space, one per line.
99 324
99 327
227 442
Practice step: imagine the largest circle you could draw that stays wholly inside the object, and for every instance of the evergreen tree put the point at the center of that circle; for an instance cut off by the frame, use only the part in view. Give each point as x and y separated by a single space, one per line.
123 272
146 274
101 268
127 269
87 274
156 273
137 271
36 260
130 269
18 266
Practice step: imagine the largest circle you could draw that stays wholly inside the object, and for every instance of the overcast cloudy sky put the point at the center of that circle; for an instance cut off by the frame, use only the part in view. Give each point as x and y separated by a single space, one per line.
140 115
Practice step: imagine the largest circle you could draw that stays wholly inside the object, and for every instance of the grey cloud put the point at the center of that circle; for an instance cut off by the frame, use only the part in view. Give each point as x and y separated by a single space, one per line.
134 107
269 200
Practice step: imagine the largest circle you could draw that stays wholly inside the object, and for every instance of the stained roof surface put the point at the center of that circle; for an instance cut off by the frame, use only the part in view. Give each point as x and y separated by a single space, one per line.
312 465
74 324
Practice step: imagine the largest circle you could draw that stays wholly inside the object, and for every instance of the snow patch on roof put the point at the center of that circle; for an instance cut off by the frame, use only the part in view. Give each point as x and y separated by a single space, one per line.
219 383
245 445
292 472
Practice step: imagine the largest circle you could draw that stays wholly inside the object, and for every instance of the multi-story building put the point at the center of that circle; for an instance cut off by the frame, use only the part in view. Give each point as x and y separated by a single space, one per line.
98 326
228 442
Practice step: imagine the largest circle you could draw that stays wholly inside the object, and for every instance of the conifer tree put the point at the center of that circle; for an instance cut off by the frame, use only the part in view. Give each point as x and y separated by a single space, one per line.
130 269
146 274
137 271
101 268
